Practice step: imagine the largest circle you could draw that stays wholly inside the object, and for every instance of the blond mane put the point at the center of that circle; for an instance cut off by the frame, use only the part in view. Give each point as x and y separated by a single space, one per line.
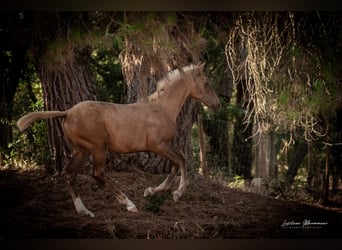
173 75
169 79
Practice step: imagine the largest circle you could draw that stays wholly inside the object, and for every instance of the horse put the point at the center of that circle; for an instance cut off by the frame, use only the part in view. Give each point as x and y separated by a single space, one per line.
93 127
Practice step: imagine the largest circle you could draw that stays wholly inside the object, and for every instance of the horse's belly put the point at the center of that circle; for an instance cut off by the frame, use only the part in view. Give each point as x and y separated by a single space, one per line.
127 144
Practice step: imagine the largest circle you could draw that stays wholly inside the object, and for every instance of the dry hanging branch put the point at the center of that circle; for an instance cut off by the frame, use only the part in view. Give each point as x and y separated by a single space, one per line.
254 51
261 52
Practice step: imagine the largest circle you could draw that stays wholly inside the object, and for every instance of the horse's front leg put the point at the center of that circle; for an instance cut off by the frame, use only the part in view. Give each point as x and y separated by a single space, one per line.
178 160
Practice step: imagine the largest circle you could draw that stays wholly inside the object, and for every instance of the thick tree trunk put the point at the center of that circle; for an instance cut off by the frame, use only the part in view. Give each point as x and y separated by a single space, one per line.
62 90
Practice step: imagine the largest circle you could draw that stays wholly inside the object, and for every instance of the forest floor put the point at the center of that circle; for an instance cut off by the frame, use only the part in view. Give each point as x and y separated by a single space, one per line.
35 204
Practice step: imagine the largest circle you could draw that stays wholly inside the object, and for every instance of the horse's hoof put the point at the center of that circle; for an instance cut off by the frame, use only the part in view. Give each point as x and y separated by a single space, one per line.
81 209
87 212
130 206
92 215
176 195
132 209
148 191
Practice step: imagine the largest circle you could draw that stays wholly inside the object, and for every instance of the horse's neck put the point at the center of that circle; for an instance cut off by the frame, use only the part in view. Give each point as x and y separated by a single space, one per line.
172 101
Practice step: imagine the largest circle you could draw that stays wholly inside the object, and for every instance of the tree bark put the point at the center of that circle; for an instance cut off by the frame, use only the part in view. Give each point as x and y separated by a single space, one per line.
62 90
296 158
265 157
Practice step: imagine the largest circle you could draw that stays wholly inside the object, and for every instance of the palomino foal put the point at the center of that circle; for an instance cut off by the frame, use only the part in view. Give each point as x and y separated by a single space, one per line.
93 127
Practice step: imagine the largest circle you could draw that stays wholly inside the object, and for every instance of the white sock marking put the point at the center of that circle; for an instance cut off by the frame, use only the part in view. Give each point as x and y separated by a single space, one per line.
80 208
130 206
148 191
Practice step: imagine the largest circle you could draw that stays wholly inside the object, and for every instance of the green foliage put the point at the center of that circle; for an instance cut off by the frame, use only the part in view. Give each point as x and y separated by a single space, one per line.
109 78
155 201
74 31
275 187
238 182
32 144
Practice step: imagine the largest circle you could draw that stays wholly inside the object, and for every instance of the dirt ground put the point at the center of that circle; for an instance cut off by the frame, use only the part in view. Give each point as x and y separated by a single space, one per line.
37 205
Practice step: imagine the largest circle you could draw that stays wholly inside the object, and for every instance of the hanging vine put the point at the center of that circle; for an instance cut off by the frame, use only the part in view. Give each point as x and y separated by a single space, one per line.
283 80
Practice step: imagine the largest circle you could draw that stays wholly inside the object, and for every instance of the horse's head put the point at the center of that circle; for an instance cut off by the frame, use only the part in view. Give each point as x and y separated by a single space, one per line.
202 89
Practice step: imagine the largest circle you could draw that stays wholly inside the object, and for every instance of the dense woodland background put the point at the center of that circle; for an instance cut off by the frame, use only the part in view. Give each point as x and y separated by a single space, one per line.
278 75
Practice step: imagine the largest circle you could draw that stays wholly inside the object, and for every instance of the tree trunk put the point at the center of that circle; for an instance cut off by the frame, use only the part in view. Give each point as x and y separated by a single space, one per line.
62 90
273 156
13 48
336 164
261 158
242 142
326 175
203 169
265 157
296 157
10 70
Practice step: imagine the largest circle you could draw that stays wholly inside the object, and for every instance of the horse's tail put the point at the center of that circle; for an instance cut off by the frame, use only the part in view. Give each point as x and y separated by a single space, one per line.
26 120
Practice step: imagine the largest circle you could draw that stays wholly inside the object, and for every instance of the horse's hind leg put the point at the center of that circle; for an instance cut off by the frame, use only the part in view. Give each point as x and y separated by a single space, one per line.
78 157
99 175
178 161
